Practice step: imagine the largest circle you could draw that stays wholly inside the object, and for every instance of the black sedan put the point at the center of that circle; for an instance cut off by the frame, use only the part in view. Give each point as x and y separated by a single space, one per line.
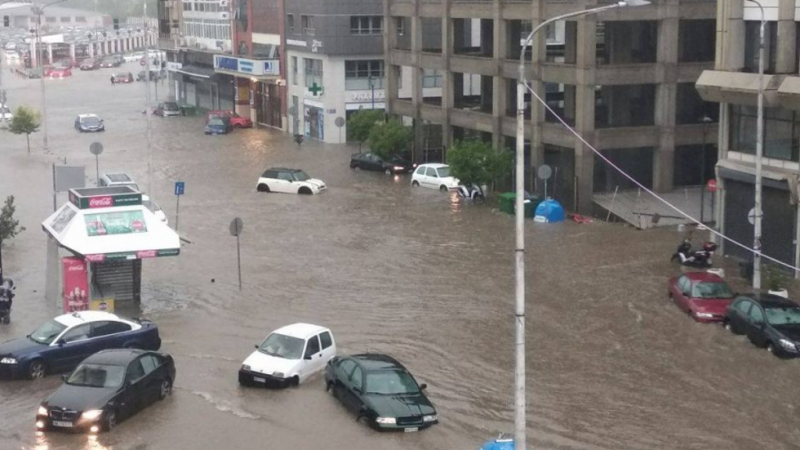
371 161
769 321
106 388
380 391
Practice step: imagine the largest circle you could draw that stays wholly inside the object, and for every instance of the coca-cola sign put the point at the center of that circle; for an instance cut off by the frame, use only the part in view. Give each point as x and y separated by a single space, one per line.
146 254
105 201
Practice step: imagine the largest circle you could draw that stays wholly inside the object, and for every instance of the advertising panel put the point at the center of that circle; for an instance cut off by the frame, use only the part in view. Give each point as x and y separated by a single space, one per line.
76 284
120 222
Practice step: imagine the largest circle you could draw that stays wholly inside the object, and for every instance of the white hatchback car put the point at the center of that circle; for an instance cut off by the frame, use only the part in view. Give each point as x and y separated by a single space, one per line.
435 176
289 356
289 181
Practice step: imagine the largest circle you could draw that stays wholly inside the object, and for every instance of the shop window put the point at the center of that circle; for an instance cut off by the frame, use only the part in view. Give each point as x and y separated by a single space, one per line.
308 25
690 107
313 72
781 132
363 75
366 24
80 19
65 19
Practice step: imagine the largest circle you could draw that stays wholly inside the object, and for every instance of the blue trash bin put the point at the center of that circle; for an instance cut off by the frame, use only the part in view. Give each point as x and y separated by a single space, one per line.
549 211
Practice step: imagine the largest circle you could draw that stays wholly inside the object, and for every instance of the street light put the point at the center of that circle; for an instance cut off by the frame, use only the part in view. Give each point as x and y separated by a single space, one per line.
759 155
38 10
519 316
705 120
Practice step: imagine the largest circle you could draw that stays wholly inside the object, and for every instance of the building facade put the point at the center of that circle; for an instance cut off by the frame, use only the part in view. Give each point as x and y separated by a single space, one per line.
734 84
624 79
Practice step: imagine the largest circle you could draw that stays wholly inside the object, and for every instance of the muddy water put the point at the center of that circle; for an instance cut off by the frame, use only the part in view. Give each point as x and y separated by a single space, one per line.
612 363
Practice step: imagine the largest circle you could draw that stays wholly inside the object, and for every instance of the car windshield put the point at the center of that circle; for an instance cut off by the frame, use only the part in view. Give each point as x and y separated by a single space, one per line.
300 176
90 120
443 172
711 290
47 332
171 106
282 346
97 375
783 316
151 205
391 382
216 122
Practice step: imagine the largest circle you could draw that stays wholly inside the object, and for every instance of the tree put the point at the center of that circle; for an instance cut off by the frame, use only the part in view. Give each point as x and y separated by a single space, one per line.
476 162
361 123
390 138
25 121
9 227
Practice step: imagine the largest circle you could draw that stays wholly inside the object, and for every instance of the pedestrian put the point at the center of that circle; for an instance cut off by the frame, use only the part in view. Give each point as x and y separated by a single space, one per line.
112 80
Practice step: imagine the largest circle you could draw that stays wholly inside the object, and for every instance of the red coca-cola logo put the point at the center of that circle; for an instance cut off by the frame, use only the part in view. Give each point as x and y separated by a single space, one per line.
146 254
96 258
101 202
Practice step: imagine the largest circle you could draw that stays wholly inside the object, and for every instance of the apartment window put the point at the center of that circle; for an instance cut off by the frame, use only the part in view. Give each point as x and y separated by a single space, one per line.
290 22
294 70
751 39
80 19
308 25
431 78
366 24
187 6
363 75
313 72
401 26
781 132
50 19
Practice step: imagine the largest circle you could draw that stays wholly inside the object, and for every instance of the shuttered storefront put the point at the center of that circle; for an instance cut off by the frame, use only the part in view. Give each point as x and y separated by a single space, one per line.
120 280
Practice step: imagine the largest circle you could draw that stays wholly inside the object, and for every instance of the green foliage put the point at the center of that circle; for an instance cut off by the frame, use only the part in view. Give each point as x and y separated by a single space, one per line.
9 227
390 138
361 123
476 162
25 121
774 277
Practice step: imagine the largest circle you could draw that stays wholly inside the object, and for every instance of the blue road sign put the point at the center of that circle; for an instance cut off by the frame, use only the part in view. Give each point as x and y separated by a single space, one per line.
179 187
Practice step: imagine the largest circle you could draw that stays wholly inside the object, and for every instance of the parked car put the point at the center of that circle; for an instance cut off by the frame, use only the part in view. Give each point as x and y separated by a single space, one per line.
769 321
167 109
380 392
61 343
371 161
435 176
702 295
89 64
116 179
123 77
60 72
289 356
236 120
89 122
218 125
154 208
133 57
290 181
112 61
106 388
155 74
5 113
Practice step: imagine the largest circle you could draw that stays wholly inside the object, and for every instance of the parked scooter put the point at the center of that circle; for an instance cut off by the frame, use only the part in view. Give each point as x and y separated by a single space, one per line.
471 192
6 299
695 258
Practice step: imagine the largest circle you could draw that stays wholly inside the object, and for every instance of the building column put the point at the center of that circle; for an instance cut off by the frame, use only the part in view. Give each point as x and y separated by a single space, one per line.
787 32
586 66
72 53
50 54
666 95
499 91
34 54
448 86
390 71
90 47
534 76
730 36
416 81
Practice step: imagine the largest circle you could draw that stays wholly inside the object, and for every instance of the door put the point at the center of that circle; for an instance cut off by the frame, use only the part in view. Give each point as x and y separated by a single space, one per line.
739 314
680 294
755 325
431 178
134 388
328 347
341 377
151 383
355 388
284 182
312 358
109 334
76 346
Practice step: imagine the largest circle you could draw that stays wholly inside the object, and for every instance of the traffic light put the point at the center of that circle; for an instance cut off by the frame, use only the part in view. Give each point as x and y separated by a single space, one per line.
116 24
6 21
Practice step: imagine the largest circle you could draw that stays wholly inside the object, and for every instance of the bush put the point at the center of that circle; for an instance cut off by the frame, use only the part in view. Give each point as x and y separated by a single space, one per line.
388 139
476 162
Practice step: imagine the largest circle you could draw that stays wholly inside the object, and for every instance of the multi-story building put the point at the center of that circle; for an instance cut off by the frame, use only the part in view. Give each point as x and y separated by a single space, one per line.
22 15
624 79
734 84
335 64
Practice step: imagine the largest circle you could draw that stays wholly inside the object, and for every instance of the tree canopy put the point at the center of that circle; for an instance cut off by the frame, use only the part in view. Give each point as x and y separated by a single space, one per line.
361 123
390 138
476 162
9 227
25 121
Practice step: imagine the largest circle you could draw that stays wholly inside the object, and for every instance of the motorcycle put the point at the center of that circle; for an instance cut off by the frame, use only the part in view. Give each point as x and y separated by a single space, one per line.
6 299
471 192
695 258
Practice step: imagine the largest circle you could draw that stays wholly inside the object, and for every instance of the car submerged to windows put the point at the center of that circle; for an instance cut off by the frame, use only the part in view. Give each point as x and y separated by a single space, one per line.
89 123
434 176
61 343
702 295
218 125
769 321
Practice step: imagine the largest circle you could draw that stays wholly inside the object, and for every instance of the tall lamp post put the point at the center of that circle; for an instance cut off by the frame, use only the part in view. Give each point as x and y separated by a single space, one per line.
147 111
705 120
38 10
759 156
519 316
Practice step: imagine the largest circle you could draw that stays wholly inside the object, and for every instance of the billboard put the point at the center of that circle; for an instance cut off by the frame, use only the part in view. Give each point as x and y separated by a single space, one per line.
76 284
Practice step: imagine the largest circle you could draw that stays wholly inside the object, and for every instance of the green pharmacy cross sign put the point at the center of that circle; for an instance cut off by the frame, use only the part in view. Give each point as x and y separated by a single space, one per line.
315 89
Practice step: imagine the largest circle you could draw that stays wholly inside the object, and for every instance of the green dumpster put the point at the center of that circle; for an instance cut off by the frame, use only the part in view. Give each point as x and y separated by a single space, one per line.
188 110
506 202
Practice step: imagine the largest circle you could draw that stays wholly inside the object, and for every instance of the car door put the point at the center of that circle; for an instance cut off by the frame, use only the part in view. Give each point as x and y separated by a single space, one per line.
755 325
328 347
678 291
355 389
344 367
74 345
432 178
134 387
419 174
109 334
312 358
376 163
739 314
151 383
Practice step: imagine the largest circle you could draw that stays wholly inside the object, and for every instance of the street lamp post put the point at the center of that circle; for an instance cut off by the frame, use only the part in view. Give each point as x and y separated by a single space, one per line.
759 156
706 120
147 96
519 253
39 10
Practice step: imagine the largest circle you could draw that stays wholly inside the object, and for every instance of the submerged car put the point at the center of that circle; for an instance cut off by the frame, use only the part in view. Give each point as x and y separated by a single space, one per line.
390 166
88 123
112 61
106 388
89 64
435 176
61 343
380 392
769 321
167 109
290 181
123 77
235 119
218 125
289 356
702 295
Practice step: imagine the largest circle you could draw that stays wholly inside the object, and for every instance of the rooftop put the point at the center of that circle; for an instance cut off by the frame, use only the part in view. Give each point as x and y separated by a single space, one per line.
301 330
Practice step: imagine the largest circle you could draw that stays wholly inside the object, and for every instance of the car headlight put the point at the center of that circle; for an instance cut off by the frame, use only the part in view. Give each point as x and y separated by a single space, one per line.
399 167
42 411
245 367
704 315
386 420
92 414
8 360
787 344
430 418
277 374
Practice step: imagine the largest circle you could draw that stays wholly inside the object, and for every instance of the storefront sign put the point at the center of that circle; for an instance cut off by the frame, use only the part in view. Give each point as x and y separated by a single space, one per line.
105 201
142 254
247 66
111 223
365 96
104 304
272 68
296 42
226 62
76 285
173 66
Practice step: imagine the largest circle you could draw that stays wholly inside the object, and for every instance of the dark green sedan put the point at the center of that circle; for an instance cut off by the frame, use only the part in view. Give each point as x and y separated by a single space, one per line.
380 391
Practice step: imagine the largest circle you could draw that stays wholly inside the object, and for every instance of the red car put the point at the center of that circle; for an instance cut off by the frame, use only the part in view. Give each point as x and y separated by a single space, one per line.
237 121
702 295
60 72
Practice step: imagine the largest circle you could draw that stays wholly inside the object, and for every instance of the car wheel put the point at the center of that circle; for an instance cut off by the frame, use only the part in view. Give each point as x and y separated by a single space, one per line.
443 188
262 188
237 126
330 389
363 420
110 421
165 390
357 167
415 183
295 381
36 369
304 191
388 171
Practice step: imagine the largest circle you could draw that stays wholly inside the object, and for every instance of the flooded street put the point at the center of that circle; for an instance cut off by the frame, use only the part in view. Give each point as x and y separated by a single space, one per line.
612 363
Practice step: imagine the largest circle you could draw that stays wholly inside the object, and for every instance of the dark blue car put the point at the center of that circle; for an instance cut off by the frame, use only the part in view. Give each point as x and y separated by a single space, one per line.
60 344
218 125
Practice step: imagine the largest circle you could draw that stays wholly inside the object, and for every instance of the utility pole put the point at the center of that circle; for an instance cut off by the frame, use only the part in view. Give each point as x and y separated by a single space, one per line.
706 120
759 157
147 99
38 11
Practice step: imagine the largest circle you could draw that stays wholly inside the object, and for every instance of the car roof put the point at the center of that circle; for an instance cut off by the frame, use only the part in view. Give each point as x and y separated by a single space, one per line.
434 165
300 330
84 116
377 361
769 300
703 276
77 318
118 177
284 169
115 356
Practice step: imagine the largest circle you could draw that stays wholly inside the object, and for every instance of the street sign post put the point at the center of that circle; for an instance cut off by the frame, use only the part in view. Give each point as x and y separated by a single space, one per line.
179 189
236 227
544 173
96 149
142 62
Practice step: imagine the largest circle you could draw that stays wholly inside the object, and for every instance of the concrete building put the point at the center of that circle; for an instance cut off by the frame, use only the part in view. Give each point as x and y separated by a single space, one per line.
21 15
734 84
623 79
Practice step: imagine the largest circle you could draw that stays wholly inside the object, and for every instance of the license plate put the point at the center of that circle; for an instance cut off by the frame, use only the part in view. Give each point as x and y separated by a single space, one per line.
410 430
260 380
58 423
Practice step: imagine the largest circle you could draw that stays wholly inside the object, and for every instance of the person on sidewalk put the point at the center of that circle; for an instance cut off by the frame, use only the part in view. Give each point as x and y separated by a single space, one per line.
112 80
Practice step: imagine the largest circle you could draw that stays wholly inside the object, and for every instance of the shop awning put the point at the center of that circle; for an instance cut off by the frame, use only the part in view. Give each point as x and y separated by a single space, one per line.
196 71
248 75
